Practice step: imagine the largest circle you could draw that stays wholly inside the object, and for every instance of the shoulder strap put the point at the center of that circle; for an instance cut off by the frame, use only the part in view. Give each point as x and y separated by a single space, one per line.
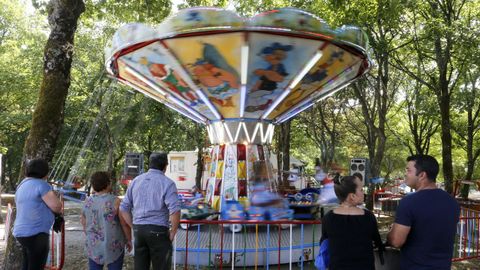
21 183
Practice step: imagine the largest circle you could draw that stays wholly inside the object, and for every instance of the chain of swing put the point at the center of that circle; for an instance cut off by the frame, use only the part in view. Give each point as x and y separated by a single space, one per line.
86 149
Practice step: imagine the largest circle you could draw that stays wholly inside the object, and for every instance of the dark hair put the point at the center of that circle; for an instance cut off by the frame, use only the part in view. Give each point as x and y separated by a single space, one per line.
344 186
158 161
358 175
427 164
37 168
100 181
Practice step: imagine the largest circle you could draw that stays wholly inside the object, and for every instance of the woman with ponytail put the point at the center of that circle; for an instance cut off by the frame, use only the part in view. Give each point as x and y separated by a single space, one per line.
350 229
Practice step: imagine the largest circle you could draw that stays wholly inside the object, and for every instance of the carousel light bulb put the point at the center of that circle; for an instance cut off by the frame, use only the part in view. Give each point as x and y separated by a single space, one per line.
245 131
243 99
228 132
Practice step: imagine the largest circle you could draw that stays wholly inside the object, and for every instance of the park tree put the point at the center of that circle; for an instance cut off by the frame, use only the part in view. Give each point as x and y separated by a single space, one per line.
422 120
433 34
21 42
467 122
375 93
323 125
48 114
417 129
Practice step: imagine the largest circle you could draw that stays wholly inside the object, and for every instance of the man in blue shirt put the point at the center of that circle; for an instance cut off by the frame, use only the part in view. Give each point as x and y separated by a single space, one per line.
151 202
426 220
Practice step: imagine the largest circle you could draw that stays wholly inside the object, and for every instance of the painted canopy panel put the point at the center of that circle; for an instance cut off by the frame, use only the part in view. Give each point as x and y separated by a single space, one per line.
211 64
335 65
273 63
154 64
139 85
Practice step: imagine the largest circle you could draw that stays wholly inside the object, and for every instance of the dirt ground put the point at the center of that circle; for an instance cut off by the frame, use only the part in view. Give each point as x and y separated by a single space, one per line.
76 259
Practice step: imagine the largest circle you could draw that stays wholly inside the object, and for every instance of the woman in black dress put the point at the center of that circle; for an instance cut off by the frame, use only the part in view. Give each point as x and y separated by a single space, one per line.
351 230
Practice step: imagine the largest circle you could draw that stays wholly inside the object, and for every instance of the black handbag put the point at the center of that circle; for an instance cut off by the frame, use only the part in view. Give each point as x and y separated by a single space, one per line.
391 258
58 223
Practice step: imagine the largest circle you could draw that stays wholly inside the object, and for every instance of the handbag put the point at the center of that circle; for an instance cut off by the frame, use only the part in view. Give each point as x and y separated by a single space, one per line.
323 258
391 259
58 223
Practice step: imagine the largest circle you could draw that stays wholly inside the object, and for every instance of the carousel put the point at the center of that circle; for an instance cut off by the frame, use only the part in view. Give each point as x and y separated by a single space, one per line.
239 77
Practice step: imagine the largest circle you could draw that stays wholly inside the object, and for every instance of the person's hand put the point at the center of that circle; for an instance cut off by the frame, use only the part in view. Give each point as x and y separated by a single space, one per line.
172 234
58 223
128 245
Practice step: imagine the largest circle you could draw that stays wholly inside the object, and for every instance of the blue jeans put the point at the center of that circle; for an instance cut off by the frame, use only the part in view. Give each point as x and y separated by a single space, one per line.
116 265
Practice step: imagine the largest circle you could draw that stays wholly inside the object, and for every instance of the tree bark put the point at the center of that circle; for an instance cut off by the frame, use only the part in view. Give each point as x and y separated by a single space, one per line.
199 172
283 152
12 259
47 119
446 144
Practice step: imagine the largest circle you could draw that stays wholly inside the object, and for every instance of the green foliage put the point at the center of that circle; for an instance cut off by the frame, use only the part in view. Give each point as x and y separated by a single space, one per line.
135 123
22 38
126 11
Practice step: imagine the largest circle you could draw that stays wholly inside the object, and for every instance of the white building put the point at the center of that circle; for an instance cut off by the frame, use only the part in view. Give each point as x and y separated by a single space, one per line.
182 168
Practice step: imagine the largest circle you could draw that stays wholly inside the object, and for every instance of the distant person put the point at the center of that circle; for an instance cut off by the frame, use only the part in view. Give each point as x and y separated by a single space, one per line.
320 175
327 191
196 192
426 220
36 204
107 234
350 230
150 204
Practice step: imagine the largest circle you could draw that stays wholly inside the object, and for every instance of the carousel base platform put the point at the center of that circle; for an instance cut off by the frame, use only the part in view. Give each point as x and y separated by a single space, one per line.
252 246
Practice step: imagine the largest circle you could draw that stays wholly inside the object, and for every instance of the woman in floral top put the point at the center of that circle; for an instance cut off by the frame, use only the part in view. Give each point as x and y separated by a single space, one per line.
107 233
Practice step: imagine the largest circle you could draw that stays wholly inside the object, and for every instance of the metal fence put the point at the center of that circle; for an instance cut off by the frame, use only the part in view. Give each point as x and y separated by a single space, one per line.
213 244
467 240
229 244
56 256
8 221
385 203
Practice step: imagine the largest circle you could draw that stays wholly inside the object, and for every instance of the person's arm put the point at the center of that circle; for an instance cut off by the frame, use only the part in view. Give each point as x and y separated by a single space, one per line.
173 205
127 229
126 207
324 230
127 217
404 218
398 235
175 221
376 234
52 201
83 220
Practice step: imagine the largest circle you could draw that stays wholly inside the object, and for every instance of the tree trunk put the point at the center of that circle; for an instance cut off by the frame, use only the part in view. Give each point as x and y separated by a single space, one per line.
13 254
447 166
47 119
284 151
48 115
199 172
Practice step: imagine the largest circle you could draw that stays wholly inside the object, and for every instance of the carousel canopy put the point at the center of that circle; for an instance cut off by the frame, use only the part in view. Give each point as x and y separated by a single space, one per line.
220 69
